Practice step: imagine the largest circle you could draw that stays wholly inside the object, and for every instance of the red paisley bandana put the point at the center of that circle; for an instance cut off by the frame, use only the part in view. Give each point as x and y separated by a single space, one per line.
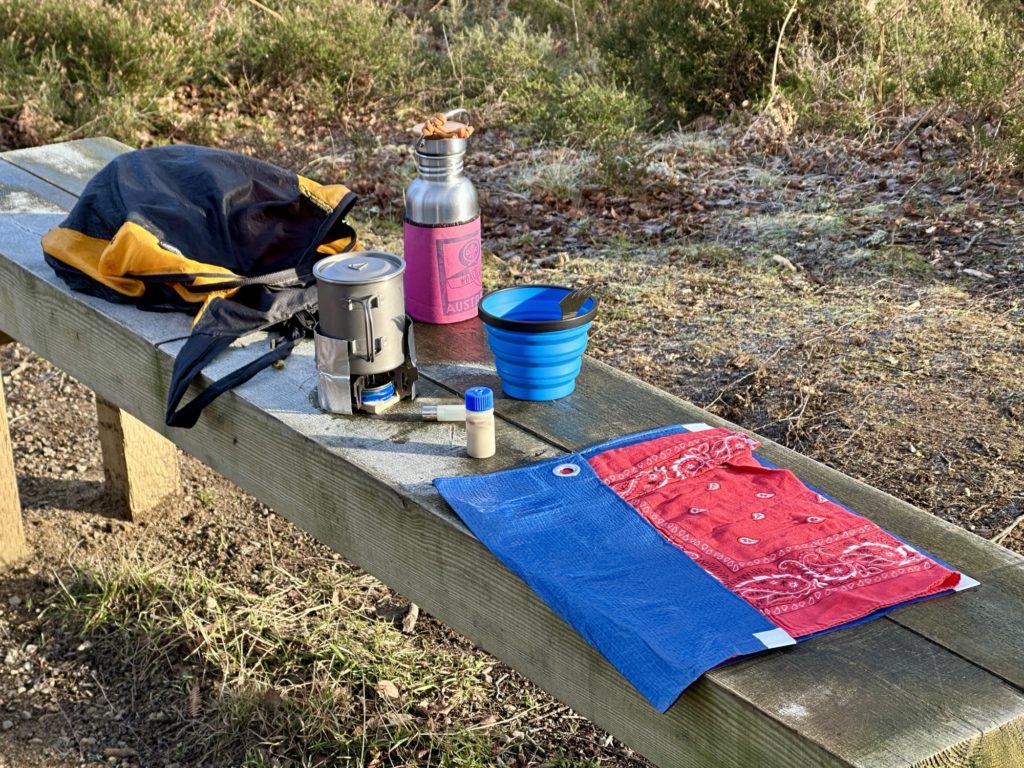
803 561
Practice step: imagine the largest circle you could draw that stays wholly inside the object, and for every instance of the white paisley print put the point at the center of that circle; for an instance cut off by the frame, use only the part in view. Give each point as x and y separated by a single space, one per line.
816 573
678 462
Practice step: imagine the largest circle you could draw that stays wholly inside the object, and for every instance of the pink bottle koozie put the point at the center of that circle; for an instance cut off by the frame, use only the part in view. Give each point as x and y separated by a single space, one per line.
442 271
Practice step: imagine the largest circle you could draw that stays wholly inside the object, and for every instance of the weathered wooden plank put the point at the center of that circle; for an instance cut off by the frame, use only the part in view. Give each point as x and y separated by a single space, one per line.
21 192
720 721
598 410
985 625
12 535
20 236
140 466
67 166
829 711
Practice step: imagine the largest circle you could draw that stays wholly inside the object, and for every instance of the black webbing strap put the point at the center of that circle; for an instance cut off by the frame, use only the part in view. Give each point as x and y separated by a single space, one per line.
198 351
185 278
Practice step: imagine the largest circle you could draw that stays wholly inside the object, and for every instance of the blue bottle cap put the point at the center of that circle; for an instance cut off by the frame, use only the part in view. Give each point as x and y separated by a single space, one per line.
479 399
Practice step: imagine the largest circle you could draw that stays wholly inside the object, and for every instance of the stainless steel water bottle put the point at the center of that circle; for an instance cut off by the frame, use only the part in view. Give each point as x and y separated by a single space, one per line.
441 232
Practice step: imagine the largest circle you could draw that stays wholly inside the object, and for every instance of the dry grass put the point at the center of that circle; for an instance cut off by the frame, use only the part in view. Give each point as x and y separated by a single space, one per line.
302 666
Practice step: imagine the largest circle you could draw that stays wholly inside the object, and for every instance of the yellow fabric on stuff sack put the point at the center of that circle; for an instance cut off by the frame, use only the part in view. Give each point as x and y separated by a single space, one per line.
325 196
133 251
328 197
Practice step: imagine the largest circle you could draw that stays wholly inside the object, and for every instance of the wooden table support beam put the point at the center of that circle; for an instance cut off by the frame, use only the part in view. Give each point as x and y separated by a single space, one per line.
12 535
140 465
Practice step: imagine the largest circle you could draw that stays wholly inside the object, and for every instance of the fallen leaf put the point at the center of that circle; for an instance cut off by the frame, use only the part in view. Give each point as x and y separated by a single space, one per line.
740 361
782 261
409 622
119 752
399 719
386 689
272 699
979 274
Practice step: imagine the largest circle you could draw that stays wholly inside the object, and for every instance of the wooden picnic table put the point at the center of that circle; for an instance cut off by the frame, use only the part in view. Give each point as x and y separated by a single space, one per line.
940 683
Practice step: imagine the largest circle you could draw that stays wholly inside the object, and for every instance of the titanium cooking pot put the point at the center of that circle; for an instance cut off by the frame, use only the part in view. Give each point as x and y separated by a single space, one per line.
362 300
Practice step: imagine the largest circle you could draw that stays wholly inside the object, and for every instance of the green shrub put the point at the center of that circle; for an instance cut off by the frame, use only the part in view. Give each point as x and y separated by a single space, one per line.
887 56
114 67
589 112
582 19
1011 141
690 57
682 58
509 73
501 67
84 65
585 73
99 46
358 50
844 63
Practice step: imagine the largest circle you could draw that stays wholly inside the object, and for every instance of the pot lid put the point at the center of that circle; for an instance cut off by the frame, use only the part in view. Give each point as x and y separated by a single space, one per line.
358 268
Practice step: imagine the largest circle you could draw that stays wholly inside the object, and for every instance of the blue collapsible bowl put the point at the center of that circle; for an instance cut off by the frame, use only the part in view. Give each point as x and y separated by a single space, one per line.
538 354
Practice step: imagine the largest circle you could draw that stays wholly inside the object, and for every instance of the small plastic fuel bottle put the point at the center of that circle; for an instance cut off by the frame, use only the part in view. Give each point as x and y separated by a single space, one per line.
480 422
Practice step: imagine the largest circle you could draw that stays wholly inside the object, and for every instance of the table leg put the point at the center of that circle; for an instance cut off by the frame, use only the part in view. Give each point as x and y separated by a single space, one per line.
12 534
139 464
